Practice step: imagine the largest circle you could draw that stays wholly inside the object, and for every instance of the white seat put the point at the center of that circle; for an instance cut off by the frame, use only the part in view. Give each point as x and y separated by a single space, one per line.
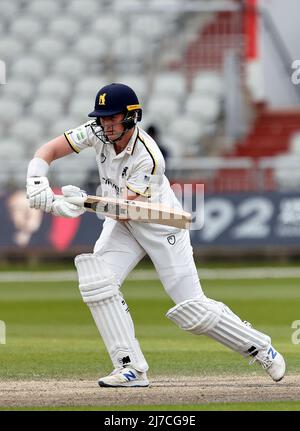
45 109
20 88
294 144
85 10
129 47
150 26
80 108
65 171
286 172
70 67
163 108
90 48
2 73
137 82
209 82
29 67
28 130
186 130
9 9
65 123
204 108
10 48
121 6
89 86
11 149
108 26
168 5
54 86
65 28
10 110
26 28
48 48
46 9
170 83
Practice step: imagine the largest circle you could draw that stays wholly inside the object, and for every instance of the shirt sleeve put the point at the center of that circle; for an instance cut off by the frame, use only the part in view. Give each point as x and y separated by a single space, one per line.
79 138
144 177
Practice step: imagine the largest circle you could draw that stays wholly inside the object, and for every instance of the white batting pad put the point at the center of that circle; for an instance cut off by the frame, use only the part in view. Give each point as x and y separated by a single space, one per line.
100 292
216 320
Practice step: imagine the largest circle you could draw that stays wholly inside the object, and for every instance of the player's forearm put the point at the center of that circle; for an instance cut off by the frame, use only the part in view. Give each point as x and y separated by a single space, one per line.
54 149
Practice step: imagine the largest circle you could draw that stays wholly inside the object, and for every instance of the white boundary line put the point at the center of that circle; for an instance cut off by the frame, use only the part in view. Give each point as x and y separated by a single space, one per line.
204 274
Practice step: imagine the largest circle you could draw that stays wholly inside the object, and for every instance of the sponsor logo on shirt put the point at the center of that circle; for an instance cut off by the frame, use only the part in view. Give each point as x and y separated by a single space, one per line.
108 182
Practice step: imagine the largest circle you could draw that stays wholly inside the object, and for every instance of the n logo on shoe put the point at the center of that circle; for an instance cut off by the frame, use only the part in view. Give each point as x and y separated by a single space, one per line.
129 376
272 352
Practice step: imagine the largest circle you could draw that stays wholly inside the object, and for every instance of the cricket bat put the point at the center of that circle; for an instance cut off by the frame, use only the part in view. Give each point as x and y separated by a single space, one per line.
134 210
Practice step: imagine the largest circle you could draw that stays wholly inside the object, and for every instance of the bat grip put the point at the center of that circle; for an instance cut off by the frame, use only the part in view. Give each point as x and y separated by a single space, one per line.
75 200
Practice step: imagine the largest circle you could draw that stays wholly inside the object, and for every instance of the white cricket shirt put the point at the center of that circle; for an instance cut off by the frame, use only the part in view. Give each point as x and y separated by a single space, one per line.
140 167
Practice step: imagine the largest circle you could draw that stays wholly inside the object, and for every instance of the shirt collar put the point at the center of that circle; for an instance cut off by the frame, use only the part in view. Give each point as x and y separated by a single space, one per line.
131 144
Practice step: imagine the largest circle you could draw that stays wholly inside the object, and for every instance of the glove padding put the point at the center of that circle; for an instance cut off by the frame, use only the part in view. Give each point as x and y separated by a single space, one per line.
39 193
62 208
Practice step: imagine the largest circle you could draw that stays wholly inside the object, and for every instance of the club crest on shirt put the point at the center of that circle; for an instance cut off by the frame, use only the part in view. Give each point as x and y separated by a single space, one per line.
171 239
124 173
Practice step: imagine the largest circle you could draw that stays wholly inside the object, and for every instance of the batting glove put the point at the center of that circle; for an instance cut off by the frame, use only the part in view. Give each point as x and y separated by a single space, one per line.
39 193
70 204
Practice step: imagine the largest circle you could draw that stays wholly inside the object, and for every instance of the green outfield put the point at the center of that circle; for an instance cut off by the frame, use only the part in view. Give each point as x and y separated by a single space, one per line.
50 333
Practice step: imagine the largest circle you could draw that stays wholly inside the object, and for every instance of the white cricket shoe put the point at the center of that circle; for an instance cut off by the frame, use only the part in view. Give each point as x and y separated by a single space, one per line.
124 377
272 361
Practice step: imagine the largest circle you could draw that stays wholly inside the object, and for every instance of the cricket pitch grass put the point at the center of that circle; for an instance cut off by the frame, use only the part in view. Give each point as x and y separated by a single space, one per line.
53 355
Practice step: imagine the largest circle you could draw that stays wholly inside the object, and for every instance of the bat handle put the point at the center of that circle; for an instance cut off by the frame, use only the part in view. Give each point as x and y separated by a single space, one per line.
76 200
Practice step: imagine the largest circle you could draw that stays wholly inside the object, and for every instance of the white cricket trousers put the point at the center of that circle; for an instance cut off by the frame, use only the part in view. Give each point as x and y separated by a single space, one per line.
122 245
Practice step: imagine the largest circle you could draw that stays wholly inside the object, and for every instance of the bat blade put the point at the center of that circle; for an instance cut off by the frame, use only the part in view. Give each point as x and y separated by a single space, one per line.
138 211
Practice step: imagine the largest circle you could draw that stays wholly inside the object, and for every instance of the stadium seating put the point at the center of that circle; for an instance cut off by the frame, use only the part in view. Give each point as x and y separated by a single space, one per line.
28 132
31 67
204 108
54 86
26 28
90 49
19 88
9 10
45 10
108 27
84 10
10 48
45 109
66 28
208 83
10 108
170 84
58 55
48 48
70 67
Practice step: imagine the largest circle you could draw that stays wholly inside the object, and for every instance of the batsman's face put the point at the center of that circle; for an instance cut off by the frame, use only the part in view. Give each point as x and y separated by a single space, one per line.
112 125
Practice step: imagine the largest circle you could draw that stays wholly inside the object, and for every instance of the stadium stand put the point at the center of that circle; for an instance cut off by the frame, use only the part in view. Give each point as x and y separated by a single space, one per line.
58 54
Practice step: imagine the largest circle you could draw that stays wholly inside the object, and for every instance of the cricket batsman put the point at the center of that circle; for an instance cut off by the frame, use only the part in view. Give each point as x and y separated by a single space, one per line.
130 164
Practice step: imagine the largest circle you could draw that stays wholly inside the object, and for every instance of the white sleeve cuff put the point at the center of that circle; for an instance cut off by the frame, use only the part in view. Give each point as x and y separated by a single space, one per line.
37 168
